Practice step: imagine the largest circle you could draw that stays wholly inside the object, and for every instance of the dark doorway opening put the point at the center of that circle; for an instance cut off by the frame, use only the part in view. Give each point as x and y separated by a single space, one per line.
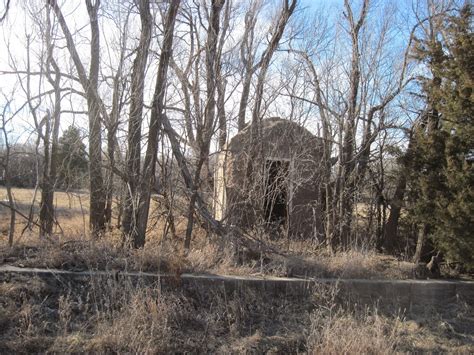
276 191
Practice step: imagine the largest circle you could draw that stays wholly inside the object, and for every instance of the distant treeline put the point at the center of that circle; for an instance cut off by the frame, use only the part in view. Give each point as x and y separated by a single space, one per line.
26 162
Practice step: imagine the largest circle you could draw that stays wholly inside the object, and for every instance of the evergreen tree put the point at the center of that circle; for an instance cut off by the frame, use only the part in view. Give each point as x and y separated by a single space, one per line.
442 166
455 99
72 159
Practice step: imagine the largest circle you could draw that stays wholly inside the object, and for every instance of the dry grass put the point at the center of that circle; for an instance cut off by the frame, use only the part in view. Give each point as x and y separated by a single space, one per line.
350 264
70 248
106 254
207 257
129 318
337 328
349 329
72 211
353 333
72 215
104 315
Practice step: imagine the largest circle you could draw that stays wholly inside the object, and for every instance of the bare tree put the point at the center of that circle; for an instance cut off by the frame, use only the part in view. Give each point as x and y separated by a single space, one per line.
130 217
221 81
5 12
96 109
51 136
284 16
247 56
248 52
156 120
205 132
353 109
340 83
112 120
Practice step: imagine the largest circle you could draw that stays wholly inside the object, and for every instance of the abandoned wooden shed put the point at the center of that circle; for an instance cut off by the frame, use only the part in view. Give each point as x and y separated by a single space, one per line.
272 180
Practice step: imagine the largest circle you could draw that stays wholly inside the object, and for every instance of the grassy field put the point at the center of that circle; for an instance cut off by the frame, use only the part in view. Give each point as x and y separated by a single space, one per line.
72 212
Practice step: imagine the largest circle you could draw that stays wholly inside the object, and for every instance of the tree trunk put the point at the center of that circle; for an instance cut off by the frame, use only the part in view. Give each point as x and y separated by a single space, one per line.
244 101
109 179
46 203
95 107
11 230
212 62
390 236
420 243
50 145
247 56
192 203
149 165
50 174
8 186
97 199
347 178
221 81
283 19
129 221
